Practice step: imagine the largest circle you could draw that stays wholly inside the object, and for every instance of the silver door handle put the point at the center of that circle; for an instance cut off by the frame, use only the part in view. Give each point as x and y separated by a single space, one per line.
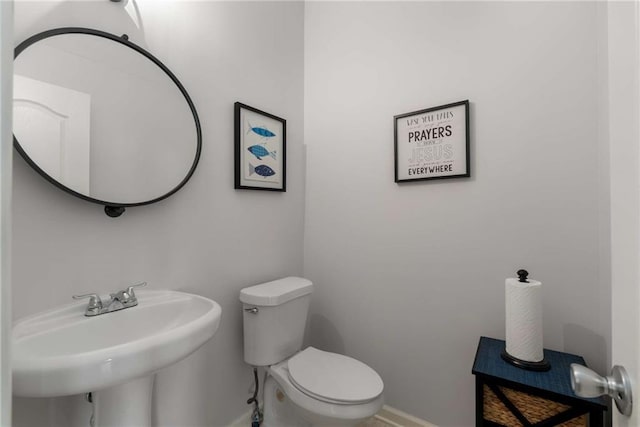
587 383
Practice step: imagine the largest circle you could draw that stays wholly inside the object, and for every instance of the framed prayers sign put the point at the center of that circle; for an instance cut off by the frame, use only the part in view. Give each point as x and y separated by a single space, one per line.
432 143
260 150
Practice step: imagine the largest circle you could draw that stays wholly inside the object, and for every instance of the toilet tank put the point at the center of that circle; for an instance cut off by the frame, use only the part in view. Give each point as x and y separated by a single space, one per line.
274 317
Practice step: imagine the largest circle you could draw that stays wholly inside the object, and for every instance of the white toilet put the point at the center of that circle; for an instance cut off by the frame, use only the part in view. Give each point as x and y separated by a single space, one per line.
307 387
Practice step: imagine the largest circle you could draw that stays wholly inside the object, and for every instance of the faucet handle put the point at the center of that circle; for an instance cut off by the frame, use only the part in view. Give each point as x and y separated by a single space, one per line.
130 291
94 300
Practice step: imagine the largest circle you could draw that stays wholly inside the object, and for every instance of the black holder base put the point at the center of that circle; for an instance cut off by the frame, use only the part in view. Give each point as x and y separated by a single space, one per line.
542 366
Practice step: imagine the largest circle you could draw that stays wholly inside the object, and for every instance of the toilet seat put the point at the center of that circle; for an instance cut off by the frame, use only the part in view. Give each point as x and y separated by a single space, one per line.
333 378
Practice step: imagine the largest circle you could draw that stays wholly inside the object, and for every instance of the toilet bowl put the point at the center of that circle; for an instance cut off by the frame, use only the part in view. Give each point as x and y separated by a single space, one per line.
329 389
309 387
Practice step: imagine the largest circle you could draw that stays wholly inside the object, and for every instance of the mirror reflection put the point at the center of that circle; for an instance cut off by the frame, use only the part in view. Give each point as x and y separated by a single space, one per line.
102 119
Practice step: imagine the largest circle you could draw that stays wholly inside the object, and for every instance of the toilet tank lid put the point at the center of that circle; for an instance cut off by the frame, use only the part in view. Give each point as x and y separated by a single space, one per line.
276 292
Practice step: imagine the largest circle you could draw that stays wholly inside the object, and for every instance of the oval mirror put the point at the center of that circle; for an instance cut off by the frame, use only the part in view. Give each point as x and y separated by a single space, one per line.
102 118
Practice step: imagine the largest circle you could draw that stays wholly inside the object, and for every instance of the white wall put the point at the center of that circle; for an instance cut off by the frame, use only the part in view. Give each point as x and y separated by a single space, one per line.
6 162
208 238
409 276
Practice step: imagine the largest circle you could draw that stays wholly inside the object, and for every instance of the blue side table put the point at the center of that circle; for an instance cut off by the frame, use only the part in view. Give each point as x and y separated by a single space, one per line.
507 396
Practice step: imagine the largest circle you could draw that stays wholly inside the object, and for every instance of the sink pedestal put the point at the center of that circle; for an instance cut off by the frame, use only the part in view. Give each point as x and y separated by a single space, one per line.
124 405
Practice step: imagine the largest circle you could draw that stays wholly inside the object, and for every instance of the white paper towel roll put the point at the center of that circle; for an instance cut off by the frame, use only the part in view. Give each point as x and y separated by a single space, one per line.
524 319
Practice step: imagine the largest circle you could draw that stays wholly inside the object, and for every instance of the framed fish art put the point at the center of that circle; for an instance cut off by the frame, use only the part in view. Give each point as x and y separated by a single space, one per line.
432 143
260 150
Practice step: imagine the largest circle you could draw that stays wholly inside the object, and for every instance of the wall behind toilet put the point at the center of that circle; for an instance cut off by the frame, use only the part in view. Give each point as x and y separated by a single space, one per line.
208 238
409 276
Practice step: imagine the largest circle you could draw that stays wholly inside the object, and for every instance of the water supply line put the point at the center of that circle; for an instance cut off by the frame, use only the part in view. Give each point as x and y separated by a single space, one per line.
88 397
256 415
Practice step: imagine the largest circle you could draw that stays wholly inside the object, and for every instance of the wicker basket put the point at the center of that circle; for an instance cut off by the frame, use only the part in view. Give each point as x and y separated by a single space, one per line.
534 408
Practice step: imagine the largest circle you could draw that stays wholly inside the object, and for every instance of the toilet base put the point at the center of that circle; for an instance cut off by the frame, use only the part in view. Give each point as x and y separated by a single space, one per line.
278 409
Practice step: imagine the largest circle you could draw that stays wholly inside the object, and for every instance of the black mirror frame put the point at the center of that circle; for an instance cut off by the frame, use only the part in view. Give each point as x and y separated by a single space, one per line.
111 209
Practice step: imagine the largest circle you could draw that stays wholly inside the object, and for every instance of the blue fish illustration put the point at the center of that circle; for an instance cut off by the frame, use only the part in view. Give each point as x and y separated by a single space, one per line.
259 151
262 170
261 130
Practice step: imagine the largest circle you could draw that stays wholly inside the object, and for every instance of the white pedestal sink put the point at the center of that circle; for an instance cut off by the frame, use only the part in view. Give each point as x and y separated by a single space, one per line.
114 356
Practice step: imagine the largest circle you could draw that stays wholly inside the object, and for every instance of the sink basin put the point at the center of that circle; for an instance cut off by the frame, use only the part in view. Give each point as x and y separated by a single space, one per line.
61 352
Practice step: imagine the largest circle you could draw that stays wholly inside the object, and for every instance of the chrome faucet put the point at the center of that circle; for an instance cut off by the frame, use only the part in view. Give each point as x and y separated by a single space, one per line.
117 301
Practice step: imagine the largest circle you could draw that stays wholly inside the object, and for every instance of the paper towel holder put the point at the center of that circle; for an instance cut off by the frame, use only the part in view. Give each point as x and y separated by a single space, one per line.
540 366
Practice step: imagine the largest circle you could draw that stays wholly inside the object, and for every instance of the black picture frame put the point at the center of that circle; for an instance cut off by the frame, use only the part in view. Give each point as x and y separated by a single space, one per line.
260 150
432 143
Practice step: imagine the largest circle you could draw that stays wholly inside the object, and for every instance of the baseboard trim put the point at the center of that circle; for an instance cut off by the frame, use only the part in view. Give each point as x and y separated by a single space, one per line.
387 414
397 418
243 420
